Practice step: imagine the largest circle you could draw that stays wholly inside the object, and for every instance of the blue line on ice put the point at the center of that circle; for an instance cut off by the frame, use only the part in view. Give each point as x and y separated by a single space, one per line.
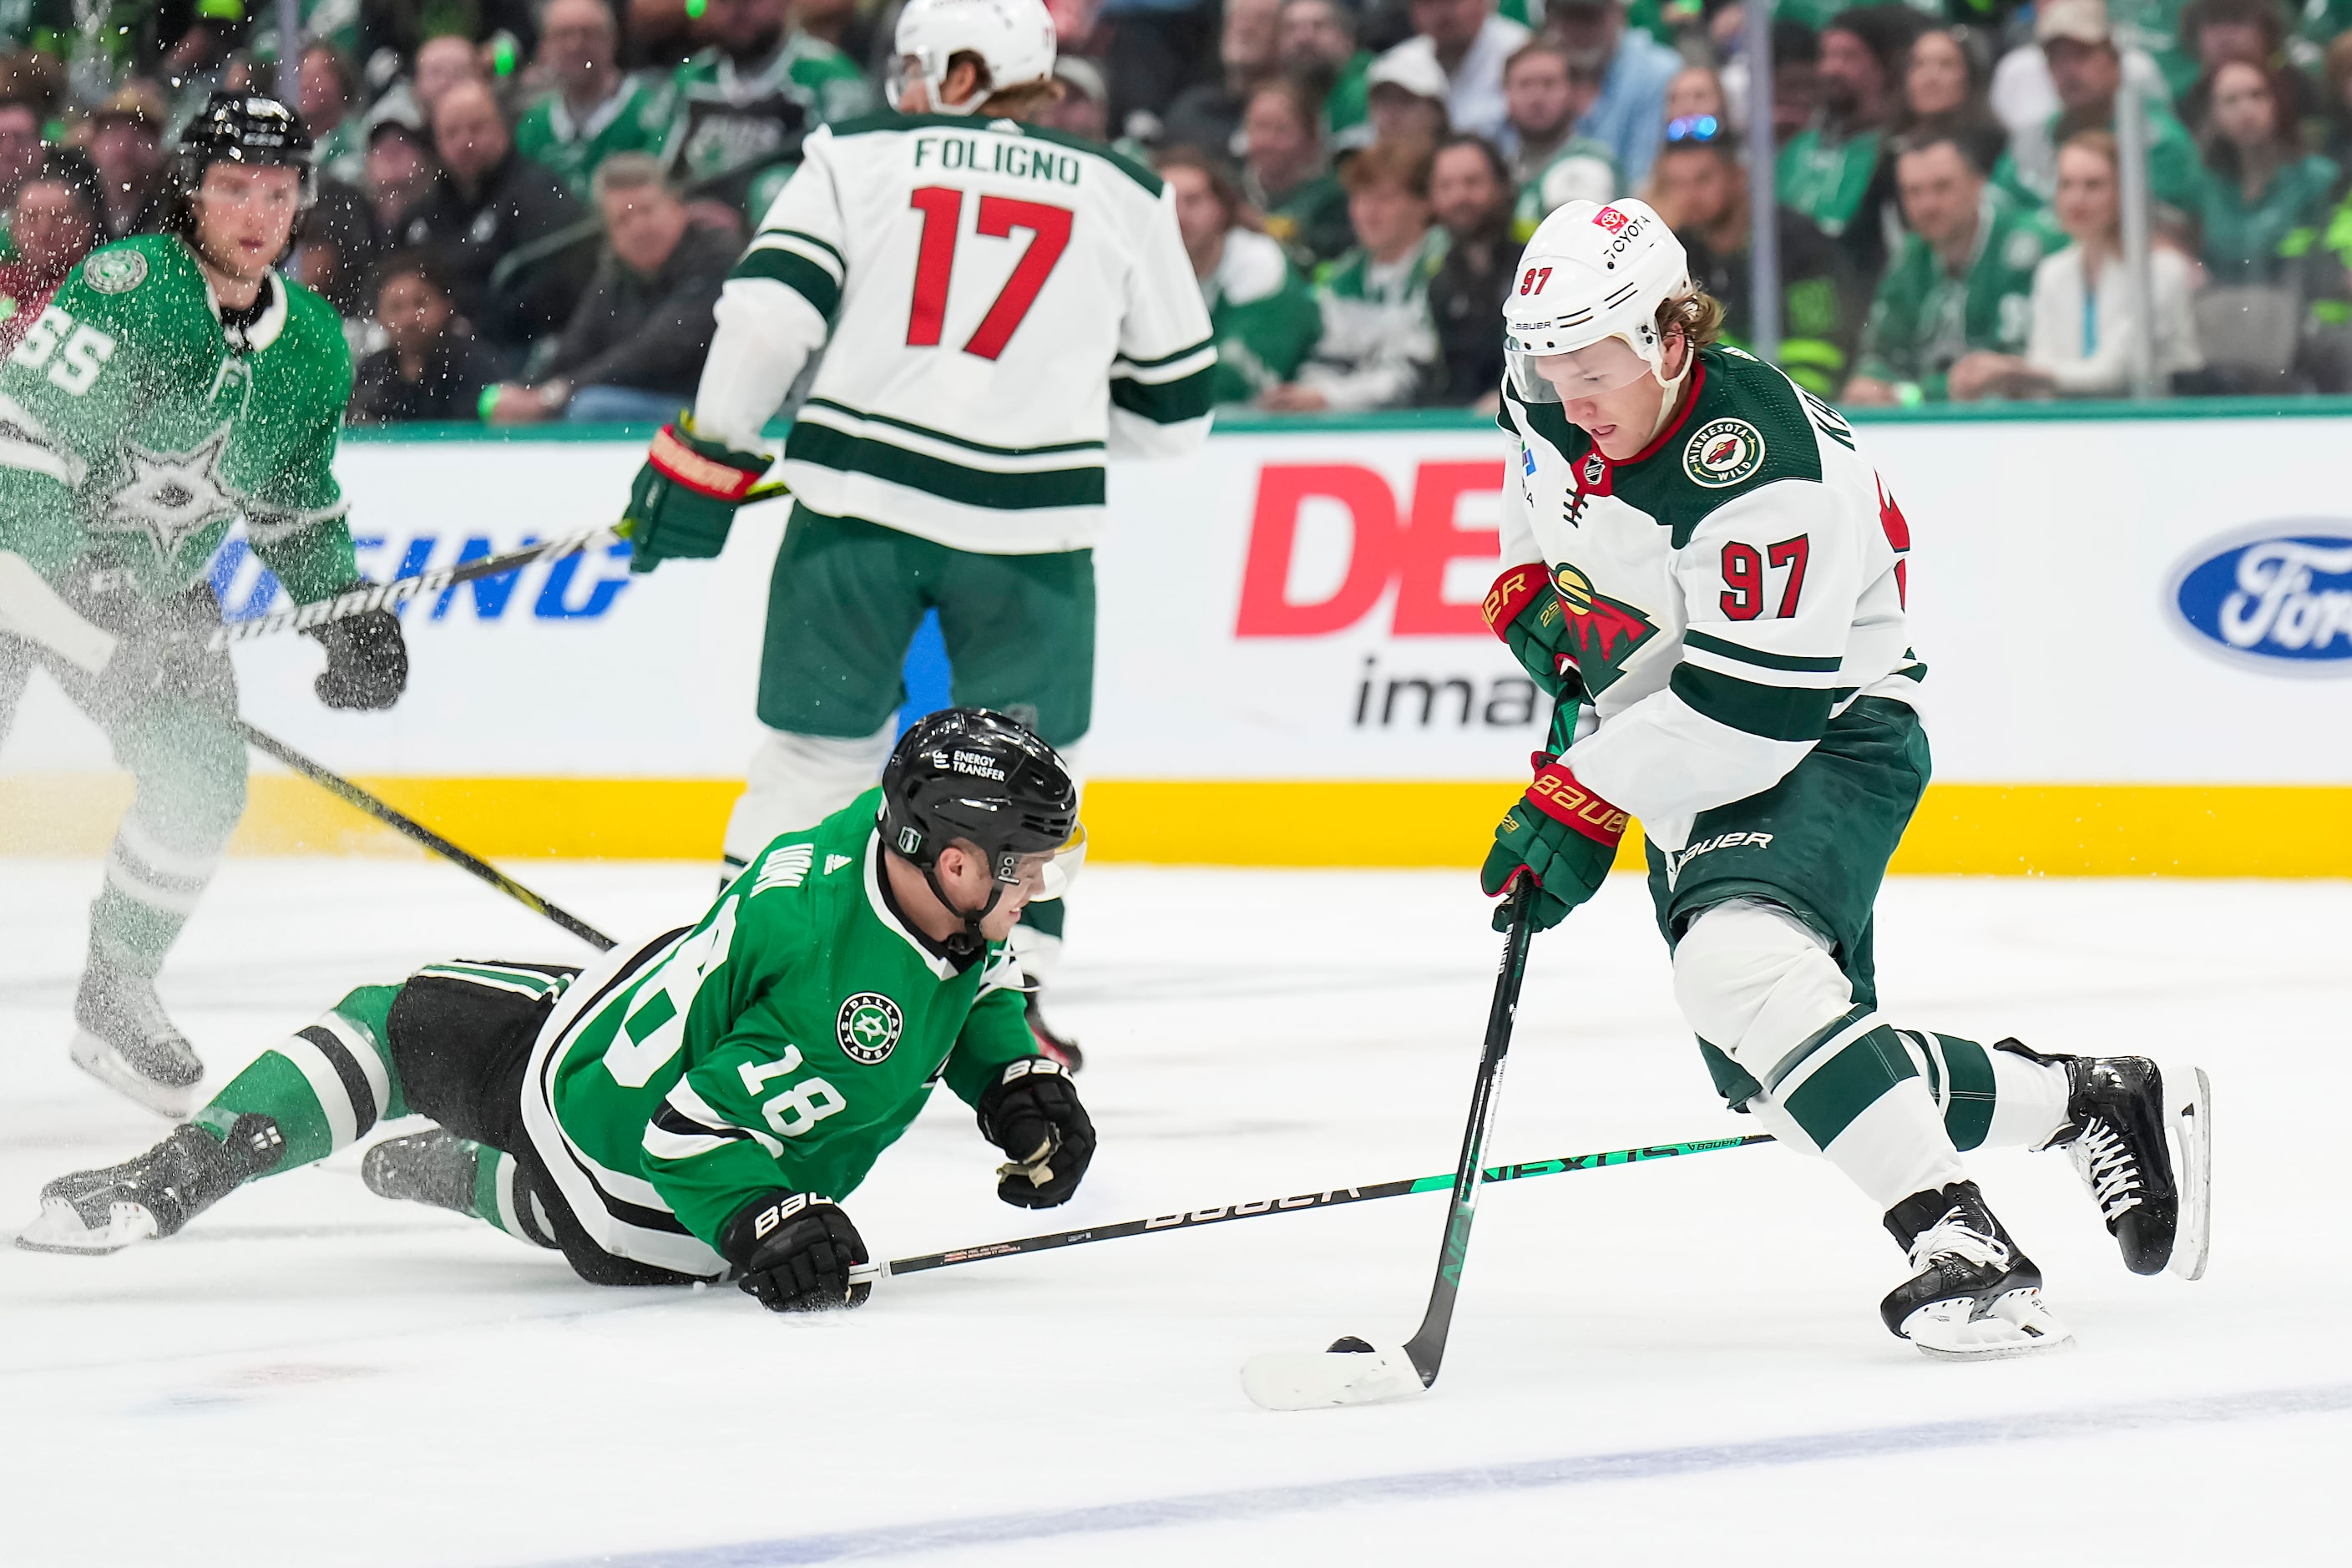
1580 1469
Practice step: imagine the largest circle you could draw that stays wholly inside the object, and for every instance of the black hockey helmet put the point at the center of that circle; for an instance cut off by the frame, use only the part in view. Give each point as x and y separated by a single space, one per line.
244 127
971 774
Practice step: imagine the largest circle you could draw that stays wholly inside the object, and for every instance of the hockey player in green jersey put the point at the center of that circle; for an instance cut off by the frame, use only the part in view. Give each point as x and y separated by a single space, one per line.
176 383
698 1105
1711 580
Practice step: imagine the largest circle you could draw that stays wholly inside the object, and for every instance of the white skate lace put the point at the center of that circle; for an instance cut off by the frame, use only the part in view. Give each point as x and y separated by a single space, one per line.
1954 1236
2104 1159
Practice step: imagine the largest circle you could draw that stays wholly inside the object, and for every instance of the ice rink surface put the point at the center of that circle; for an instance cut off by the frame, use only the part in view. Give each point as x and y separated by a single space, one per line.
1669 1359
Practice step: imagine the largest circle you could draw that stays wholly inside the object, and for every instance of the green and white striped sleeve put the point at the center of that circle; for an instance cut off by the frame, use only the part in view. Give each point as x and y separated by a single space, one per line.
777 307
1163 382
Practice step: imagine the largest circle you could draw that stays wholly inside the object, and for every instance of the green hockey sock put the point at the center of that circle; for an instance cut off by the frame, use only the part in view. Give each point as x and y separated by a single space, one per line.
506 1201
325 1085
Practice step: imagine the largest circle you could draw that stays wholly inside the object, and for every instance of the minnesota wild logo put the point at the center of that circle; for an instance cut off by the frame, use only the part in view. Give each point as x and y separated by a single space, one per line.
868 1026
1723 452
1606 631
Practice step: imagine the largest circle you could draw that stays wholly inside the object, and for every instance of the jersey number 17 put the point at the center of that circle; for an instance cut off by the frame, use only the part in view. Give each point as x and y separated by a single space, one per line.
942 210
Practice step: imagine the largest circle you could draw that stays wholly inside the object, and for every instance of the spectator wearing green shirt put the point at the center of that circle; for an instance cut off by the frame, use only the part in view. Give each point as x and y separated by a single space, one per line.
1701 182
1286 178
744 104
1834 171
1962 283
2078 43
1261 311
2258 186
1545 93
1377 344
1318 45
594 110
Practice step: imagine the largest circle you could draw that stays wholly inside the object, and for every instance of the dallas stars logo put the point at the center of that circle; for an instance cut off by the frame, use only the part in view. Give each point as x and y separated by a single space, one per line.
868 1026
169 497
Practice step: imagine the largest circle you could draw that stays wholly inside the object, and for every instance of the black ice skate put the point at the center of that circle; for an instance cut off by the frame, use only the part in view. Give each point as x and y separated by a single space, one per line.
1055 1046
1975 1297
2116 1115
430 1167
123 1039
155 1195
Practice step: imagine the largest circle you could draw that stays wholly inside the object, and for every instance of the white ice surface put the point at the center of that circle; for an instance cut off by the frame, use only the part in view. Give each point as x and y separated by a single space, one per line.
1645 1362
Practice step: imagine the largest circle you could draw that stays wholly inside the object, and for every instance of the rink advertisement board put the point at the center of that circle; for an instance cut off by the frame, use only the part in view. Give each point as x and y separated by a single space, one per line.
2138 633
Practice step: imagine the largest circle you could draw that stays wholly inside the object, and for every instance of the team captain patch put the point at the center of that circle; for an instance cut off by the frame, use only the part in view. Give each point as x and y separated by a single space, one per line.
868 1026
1723 452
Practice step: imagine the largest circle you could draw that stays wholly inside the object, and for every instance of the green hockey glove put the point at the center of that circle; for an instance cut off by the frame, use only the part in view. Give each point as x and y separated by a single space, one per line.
684 498
1524 612
1563 837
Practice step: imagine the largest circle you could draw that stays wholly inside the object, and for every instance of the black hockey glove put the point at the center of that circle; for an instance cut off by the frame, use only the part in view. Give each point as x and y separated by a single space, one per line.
794 1251
367 661
1033 1113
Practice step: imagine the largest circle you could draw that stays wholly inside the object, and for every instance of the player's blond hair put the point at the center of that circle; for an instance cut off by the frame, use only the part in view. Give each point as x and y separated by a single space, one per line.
1697 315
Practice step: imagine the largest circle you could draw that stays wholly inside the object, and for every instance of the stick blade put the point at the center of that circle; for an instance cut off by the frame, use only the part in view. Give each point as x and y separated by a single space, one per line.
1303 1380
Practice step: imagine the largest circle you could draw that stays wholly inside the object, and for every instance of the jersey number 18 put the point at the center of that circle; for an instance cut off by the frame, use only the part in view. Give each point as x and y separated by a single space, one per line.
942 210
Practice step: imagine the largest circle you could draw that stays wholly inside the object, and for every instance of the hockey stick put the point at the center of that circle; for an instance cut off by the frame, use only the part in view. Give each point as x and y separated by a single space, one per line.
1193 1219
370 596
1352 1371
352 795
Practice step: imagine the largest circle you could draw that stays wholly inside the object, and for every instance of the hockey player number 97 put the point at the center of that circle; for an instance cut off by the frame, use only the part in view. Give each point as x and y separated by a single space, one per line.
86 351
942 210
1743 578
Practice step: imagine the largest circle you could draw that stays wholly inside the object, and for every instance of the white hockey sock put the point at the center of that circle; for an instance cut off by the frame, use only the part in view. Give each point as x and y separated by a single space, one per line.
2029 1101
797 781
1897 1147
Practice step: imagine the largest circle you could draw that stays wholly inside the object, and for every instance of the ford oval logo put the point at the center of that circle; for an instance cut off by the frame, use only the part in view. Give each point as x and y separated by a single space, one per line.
2277 598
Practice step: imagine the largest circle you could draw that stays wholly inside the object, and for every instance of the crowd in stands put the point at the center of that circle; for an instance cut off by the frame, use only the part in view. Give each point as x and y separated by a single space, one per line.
527 208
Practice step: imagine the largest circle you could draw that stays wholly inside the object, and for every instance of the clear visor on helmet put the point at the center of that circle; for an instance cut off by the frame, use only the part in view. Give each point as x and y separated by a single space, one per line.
1587 371
1054 870
905 72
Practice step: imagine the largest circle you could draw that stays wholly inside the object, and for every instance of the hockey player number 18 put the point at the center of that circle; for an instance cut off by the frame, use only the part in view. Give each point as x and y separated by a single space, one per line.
942 210
799 1108
86 351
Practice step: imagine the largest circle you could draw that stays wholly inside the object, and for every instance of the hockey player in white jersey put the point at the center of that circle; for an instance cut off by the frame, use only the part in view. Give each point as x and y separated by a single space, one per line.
1711 579
999 304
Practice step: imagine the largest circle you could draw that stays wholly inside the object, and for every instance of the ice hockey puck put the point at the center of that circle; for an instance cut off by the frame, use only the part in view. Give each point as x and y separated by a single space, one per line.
1349 1344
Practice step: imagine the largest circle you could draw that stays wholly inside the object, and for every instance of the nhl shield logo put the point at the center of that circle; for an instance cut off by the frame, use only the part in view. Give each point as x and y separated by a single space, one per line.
869 1027
1723 452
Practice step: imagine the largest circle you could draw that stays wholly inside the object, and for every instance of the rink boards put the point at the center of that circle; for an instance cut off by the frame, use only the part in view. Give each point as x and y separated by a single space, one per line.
2139 632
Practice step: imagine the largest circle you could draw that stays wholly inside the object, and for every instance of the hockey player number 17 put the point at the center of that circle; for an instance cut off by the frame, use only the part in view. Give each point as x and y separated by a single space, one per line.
942 210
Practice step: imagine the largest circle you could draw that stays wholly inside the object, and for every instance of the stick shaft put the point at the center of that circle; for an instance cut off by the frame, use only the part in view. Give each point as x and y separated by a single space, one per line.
1260 1208
1427 1346
352 795
400 590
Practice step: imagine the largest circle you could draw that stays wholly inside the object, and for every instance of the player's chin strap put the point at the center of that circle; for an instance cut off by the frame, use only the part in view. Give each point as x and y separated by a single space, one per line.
968 940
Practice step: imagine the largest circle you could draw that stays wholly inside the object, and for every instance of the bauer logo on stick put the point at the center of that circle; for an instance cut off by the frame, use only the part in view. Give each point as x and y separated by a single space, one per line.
869 1026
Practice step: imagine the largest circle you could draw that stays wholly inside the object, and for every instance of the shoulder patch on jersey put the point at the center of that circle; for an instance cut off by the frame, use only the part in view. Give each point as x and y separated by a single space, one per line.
1723 452
868 1026
115 271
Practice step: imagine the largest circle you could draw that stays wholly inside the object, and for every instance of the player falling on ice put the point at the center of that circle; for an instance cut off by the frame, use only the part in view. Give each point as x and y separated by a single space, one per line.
997 304
1709 577
698 1105
176 383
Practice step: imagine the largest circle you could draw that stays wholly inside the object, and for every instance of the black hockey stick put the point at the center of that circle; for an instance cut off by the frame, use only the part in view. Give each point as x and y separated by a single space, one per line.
369 596
1354 1372
1192 1219
352 795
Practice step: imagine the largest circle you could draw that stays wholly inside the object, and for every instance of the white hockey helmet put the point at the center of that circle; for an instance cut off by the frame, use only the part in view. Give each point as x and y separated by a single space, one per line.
1015 38
1591 279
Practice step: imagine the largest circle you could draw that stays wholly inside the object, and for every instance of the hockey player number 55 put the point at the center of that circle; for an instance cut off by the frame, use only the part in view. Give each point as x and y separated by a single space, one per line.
86 351
942 210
